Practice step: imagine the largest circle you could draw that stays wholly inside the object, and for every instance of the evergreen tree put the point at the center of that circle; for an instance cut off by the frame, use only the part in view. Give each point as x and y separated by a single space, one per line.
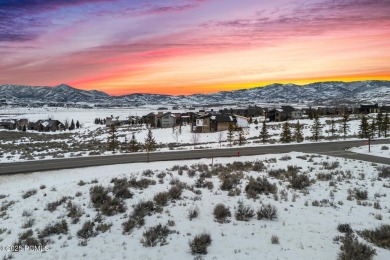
386 124
316 128
113 138
250 120
256 121
298 137
24 129
285 136
379 123
133 145
77 124
264 136
150 143
332 129
364 127
372 129
241 138
345 125
230 134
72 125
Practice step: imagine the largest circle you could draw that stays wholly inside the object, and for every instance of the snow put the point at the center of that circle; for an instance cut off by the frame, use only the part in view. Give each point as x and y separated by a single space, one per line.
305 232
376 150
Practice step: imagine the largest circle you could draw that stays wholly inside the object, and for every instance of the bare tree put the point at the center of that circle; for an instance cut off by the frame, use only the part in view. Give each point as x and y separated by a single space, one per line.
221 136
195 138
150 143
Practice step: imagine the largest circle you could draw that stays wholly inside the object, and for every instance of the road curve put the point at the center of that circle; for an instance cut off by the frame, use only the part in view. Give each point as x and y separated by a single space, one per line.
327 148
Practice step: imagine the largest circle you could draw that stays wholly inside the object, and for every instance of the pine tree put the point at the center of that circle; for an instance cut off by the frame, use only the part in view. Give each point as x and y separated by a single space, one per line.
345 125
250 120
372 129
316 128
298 137
332 129
379 123
24 129
285 136
150 143
113 138
72 125
133 145
264 136
77 124
386 124
364 127
241 138
230 134
256 121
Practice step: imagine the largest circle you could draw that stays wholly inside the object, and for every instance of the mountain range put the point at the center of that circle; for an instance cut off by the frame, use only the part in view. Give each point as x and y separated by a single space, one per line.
314 93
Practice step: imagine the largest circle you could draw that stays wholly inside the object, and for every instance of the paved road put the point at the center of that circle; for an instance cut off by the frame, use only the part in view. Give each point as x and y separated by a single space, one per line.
330 148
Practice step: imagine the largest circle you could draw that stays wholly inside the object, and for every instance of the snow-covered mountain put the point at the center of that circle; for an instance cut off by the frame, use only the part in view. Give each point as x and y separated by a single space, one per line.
60 93
320 92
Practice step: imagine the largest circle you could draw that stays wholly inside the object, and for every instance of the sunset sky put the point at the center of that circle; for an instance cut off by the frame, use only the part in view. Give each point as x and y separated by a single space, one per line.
192 46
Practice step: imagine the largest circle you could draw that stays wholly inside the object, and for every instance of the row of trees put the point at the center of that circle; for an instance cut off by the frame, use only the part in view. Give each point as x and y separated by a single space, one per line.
133 145
287 135
377 127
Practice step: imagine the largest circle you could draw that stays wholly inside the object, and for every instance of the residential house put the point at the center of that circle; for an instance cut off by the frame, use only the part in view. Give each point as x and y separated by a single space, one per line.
46 125
369 108
221 122
165 120
22 123
8 124
201 123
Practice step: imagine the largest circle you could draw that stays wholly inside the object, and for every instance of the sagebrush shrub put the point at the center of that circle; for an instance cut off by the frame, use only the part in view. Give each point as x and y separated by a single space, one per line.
379 236
221 213
244 212
200 243
344 228
352 249
268 212
154 235
87 230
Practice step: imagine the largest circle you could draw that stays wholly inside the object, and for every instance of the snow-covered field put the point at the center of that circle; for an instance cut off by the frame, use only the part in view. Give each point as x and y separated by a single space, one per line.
376 150
306 223
92 139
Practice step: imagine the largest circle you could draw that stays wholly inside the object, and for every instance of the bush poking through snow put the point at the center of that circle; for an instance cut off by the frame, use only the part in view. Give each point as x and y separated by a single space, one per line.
275 240
87 231
259 186
29 193
74 212
161 198
99 195
384 172
221 213
351 248
193 213
379 237
200 243
29 223
300 181
110 207
268 212
344 228
55 229
361 194
244 212
154 235
53 205
175 192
